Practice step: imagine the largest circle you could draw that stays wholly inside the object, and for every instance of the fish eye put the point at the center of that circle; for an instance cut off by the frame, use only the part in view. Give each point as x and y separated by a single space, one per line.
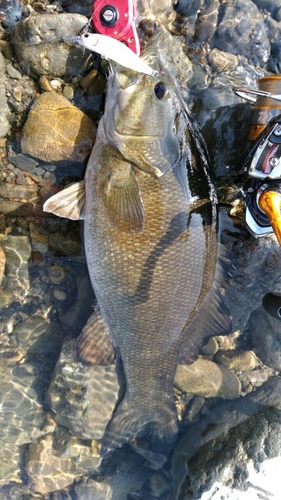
160 90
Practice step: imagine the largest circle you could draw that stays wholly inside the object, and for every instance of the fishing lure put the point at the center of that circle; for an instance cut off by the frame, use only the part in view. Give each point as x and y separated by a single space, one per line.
110 48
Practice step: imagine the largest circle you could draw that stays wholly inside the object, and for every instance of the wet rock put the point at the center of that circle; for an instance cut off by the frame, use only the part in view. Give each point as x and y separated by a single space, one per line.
39 238
207 22
47 470
126 476
24 162
254 270
18 252
179 64
222 61
66 243
255 378
238 360
234 438
52 115
241 463
10 469
265 333
21 416
57 274
159 11
242 31
38 41
207 379
82 398
38 335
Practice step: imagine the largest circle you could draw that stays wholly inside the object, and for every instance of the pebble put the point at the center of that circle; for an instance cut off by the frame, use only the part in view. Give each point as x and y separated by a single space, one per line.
238 360
210 348
59 294
57 274
207 379
13 72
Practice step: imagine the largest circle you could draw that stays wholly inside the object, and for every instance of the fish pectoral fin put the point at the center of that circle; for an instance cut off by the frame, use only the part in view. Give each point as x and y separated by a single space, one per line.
94 346
68 203
124 201
212 318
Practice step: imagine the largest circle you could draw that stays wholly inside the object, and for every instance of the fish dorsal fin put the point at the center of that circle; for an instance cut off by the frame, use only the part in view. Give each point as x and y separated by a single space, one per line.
68 203
94 346
124 201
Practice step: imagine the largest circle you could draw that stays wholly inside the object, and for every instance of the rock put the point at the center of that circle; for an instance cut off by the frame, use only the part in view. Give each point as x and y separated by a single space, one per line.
237 360
18 252
207 22
242 31
66 243
222 61
241 463
57 274
207 379
21 416
59 294
2 264
265 333
4 122
39 238
253 269
48 472
158 11
225 446
171 50
24 162
52 115
13 72
82 398
37 335
38 40
10 469
210 348
15 192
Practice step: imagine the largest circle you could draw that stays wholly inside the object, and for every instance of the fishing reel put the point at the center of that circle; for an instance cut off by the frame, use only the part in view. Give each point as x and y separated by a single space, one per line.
263 161
263 188
262 208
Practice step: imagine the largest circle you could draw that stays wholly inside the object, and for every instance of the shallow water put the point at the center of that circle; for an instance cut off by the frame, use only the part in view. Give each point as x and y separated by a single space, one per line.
53 410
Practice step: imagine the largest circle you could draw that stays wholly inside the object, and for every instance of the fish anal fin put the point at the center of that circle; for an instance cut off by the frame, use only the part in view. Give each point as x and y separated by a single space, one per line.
124 201
94 346
212 318
68 203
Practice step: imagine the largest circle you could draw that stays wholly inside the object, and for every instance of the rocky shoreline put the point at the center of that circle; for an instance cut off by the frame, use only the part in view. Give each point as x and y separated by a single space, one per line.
54 410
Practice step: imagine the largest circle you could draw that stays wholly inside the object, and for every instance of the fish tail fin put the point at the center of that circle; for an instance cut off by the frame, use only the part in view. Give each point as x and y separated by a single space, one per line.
159 427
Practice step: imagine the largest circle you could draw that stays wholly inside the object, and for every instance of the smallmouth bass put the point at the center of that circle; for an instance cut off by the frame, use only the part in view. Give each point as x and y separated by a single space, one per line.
149 207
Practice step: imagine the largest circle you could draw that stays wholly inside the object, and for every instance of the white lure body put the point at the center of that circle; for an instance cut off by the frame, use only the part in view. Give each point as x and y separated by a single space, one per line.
110 48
